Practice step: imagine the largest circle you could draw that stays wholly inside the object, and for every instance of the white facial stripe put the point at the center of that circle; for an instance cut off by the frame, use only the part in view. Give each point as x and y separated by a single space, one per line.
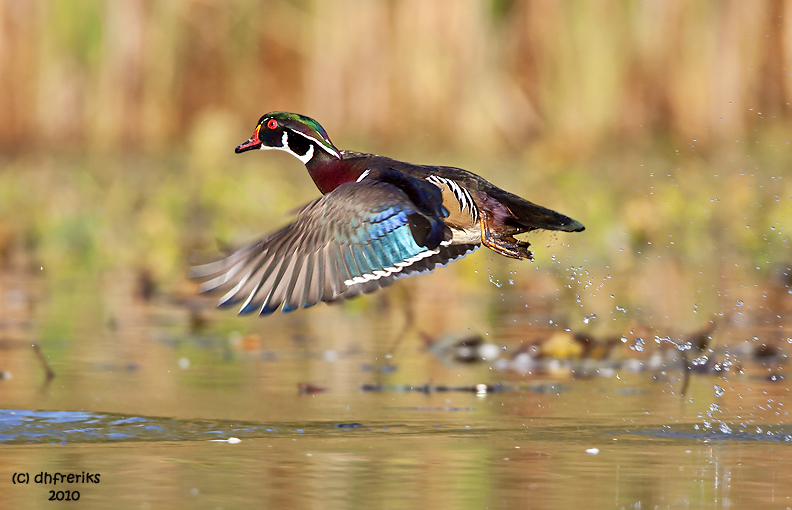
321 143
284 145
305 158
363 175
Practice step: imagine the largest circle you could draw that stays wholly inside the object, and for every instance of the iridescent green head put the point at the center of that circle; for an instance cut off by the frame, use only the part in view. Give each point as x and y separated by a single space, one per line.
296 134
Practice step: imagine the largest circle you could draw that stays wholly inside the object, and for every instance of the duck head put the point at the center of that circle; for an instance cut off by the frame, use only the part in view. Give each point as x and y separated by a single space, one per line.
300 136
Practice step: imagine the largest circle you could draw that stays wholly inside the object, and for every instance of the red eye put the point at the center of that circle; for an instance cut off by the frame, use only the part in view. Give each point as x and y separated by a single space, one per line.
272 124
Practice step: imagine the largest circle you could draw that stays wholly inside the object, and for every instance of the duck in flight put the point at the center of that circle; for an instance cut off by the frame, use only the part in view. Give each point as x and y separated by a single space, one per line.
378 219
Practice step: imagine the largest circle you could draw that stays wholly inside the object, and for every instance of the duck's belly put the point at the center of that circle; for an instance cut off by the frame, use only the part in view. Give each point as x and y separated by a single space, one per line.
466 236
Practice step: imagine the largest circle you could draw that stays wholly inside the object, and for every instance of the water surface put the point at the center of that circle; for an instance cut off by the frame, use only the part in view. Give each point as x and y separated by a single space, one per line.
175 404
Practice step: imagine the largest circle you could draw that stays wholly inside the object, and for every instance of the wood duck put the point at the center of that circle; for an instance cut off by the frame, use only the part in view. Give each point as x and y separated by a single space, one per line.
378 220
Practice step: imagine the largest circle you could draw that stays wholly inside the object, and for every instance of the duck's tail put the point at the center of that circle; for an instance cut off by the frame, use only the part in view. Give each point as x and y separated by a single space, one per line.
531 216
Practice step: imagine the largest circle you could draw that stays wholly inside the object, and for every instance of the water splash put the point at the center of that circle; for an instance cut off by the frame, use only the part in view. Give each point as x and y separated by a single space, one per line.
495 282
701 360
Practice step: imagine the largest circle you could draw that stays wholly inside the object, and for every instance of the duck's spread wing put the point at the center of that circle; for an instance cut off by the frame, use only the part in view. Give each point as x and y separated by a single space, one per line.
353 240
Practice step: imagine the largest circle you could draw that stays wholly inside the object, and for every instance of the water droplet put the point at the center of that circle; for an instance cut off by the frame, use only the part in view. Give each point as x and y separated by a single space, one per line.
495 282
719 392
589 318
638 345
740 303
725 428
714 408
701 360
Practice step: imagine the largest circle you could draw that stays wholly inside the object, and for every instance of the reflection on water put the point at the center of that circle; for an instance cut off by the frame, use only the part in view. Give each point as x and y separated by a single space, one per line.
526 412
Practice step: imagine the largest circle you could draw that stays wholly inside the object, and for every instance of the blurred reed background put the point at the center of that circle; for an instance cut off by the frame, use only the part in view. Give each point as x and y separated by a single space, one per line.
84 75
664 126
